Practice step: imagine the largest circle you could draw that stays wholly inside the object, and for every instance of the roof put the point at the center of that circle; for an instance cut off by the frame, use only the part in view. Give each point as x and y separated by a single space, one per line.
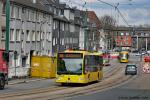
40 4
94 19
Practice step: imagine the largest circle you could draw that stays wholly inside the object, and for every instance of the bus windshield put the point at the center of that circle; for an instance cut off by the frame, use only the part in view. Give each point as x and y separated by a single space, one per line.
69 66
124 56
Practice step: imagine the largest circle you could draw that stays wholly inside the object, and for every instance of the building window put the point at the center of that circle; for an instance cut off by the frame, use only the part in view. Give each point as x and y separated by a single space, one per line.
17 12
28 15
12 11
4 8
38 17
50 19
18 60
72 29
61 12
63 41
32 16
54 25
38 36
12 35
24 59
41 18
63 26
44 16
50 38
28 35
42 35
3 34
66 27
33 36
17 35
53 41
70 40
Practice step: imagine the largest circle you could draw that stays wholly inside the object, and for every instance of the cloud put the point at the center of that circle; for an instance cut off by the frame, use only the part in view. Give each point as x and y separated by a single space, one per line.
135 14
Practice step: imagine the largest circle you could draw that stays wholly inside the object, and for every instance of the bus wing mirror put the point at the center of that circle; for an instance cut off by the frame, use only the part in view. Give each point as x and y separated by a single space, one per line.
6 56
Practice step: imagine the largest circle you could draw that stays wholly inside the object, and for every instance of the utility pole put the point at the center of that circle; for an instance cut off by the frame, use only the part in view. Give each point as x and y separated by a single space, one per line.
137 39
146 43
7 25
85 31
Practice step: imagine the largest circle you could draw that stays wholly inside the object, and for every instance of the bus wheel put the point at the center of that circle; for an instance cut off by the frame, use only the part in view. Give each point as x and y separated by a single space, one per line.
98 77
2 83
64 84
89 76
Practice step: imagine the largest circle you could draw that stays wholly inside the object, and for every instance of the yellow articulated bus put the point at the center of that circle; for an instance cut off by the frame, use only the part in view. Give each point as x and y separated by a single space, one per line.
78 67
124 56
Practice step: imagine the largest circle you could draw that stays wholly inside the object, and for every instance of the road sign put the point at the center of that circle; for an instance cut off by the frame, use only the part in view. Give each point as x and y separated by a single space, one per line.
146 68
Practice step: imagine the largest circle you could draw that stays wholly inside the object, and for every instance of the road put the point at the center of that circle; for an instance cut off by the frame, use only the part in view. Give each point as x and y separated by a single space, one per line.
136 89
105 89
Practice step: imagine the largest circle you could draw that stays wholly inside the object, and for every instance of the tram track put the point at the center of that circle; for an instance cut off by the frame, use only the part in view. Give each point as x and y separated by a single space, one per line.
108 83
30 92
57 92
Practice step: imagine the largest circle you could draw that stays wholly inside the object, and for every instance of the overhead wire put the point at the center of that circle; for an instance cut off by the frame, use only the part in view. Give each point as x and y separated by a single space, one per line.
116 8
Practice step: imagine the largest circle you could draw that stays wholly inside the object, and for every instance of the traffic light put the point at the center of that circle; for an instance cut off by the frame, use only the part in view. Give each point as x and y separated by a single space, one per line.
15 55
6 56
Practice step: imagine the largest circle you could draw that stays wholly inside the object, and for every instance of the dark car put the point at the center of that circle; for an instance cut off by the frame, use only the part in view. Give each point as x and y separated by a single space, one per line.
131 69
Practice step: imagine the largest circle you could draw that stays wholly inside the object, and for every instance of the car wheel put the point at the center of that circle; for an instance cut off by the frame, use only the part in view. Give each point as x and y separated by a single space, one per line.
2 83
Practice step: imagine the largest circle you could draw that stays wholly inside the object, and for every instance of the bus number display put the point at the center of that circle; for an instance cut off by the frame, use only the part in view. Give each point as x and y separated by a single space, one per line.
70 55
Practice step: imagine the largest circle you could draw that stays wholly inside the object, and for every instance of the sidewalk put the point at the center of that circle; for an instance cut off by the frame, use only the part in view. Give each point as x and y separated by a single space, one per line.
25 80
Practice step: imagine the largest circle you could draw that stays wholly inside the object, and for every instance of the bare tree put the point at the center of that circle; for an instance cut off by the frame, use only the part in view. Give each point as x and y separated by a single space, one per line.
108 22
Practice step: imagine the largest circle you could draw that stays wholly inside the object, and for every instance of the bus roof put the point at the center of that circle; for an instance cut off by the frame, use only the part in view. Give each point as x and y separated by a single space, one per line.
124 52
83 52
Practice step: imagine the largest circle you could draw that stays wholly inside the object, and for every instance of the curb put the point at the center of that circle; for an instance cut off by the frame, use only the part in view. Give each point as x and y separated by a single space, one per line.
24 81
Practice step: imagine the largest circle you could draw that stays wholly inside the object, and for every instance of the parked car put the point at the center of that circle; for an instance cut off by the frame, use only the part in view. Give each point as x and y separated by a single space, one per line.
148 52
138 54
131 69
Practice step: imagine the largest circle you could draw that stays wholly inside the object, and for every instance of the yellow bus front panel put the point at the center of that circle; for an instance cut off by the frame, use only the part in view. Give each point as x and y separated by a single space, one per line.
89 77
71 79
124 60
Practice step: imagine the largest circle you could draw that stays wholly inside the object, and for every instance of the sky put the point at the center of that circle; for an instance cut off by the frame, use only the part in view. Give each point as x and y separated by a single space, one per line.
135 12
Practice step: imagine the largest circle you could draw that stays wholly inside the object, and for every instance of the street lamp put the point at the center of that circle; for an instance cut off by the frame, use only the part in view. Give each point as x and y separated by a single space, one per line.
7 25
137 39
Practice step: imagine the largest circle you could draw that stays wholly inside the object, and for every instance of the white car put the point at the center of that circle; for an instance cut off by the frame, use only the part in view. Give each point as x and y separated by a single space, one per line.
148 51
138 54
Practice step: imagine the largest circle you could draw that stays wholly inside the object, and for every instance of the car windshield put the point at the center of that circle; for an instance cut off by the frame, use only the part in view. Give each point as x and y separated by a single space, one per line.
131 68
70 66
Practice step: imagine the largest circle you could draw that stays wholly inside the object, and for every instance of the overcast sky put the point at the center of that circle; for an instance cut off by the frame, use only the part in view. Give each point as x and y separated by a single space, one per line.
136 12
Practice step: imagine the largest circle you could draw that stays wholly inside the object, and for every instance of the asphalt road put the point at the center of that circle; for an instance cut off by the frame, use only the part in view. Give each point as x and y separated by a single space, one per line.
28 86
136 89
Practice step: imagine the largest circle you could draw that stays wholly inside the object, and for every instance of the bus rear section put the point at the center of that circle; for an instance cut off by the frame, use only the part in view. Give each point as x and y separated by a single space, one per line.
77 67
124 57
4 57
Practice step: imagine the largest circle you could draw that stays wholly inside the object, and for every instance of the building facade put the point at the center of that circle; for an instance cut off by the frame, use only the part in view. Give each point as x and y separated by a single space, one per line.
43 28
66 28
30 34
94 35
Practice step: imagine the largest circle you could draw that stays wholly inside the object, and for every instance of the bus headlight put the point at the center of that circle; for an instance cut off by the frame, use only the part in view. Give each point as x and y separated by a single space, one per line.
59 78
81 79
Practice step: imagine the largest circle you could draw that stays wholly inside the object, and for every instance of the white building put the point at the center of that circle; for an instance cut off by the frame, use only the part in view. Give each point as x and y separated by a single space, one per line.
30 33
